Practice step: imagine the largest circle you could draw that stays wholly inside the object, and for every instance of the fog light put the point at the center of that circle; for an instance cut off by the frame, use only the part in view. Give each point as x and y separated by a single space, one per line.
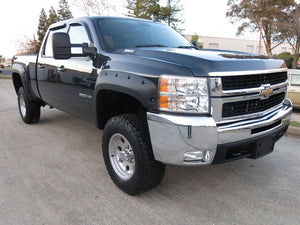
202 156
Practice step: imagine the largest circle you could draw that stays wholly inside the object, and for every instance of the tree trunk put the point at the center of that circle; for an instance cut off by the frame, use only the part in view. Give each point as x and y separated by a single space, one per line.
268 47
268 39
296 54
295 61
269 52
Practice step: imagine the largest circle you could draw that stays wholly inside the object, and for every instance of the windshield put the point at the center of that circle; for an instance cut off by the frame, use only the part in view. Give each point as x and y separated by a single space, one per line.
118 34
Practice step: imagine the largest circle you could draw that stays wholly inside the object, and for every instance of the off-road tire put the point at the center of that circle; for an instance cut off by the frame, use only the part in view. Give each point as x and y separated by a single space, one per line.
30 111
148 172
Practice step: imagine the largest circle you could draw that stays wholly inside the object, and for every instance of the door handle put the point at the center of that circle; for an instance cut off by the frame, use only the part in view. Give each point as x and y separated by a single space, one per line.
41 66
61 69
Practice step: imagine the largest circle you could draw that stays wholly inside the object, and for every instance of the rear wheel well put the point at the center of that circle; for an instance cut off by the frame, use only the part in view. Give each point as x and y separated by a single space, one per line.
17 81
111 103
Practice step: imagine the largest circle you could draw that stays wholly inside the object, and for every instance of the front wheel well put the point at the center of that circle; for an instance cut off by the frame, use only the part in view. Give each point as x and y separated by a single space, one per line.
17 81
112 103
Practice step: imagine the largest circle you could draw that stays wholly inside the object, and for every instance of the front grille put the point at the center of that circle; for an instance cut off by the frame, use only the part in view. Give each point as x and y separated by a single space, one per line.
251 106
252 81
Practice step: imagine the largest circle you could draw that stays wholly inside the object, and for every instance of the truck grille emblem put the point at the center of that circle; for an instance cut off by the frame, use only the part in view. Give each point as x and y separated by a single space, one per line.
267 91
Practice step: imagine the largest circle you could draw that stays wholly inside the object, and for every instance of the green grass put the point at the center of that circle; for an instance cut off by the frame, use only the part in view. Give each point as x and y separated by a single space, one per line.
295 124
5 76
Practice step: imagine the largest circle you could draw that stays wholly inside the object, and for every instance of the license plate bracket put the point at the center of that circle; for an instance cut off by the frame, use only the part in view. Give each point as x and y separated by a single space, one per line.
262 147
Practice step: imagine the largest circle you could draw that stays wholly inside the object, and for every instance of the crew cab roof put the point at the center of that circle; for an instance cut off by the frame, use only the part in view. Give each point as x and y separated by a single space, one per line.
88 19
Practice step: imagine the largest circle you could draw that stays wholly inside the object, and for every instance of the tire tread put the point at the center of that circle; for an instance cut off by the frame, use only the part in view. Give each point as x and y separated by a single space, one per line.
33 109
152 170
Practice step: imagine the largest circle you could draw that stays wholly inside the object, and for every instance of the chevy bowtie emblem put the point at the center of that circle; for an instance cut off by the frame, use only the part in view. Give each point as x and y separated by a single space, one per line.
266 92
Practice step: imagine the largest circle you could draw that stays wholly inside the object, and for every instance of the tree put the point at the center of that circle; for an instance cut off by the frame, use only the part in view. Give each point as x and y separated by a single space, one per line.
150 9
289 30
64 11
287 57
145 9
52 17
42 28
94 7
28 47
248 14
32 45
196 37
169 14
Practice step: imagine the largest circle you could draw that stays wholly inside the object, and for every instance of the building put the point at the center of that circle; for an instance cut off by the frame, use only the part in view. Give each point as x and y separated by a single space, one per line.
241 45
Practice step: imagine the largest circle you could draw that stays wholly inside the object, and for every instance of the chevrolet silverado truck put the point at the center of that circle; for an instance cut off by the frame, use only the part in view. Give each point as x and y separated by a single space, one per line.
158 99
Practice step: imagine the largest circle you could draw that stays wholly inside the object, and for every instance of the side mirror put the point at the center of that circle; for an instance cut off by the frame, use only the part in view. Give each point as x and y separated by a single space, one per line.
89 51
61 46
196 44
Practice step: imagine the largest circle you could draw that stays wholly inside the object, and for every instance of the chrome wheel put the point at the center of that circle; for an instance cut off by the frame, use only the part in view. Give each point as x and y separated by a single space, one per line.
22 105
121 156
128 155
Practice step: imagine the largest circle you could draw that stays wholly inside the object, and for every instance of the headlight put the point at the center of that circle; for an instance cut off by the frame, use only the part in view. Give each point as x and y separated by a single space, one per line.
181 94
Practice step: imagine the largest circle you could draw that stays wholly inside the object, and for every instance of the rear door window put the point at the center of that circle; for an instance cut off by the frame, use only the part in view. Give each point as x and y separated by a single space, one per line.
48 48
295 80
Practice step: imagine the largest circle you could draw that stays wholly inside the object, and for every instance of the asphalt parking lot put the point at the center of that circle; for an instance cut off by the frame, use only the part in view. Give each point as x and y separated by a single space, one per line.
53 173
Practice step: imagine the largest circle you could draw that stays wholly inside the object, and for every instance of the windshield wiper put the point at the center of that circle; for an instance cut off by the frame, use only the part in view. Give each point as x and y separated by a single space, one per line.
154 45
188 46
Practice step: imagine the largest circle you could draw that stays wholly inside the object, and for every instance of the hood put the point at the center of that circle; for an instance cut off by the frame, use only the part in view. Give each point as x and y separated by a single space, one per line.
201 62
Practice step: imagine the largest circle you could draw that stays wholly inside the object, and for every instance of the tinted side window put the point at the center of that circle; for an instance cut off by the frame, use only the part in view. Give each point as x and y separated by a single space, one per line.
47 48
78 35
48 52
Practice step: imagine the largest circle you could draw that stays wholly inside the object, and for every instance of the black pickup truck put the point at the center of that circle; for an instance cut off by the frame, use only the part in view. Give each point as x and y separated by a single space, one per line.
159 99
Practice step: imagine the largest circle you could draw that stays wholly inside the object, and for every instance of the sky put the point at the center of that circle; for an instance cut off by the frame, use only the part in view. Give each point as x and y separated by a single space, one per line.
19 19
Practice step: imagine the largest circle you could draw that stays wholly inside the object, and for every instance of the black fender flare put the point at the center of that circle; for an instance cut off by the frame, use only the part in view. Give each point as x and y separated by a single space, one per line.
141 88
22 71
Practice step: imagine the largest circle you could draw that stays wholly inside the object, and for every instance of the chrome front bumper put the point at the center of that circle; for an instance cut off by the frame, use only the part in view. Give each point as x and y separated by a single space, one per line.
177 139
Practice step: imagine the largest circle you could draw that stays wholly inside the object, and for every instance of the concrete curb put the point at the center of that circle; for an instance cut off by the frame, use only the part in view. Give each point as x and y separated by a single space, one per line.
294 131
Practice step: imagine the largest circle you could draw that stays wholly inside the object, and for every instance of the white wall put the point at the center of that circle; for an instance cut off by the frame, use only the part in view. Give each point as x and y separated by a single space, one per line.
250 46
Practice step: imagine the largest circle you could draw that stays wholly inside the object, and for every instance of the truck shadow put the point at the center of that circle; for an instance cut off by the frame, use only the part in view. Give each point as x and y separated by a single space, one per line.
233 178
224 178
